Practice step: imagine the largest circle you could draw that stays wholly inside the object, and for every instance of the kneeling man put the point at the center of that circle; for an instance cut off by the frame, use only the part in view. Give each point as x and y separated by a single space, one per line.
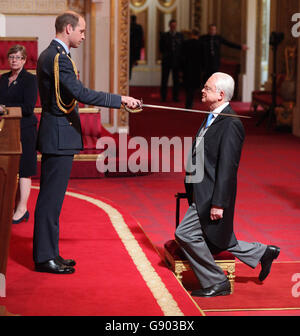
207 226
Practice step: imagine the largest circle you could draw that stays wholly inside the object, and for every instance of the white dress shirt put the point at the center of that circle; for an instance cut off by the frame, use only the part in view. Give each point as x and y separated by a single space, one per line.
217 111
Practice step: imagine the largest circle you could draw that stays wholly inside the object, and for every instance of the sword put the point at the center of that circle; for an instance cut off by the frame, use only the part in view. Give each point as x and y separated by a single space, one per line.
140 109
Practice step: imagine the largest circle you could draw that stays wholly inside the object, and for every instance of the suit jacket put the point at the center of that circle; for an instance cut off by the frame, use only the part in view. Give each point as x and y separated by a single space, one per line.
191 63
170 47
21 93
209 43
60 133
223 143
136 41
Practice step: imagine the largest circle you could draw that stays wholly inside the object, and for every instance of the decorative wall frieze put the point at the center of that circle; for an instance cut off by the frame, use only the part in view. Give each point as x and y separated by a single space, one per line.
32 7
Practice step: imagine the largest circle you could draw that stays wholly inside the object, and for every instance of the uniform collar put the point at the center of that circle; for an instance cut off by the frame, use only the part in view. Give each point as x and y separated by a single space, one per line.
62 44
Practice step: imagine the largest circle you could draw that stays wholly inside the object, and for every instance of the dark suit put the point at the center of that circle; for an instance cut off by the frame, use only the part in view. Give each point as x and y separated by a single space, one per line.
211 48
136 44
223 143
59 138
191 67
199 236
170 47
23 93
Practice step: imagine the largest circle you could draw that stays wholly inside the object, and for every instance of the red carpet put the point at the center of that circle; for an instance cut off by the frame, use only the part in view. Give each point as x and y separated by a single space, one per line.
277 293
107 282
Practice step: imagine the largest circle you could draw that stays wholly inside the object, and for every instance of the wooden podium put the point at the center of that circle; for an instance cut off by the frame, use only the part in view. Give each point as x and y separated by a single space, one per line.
10 152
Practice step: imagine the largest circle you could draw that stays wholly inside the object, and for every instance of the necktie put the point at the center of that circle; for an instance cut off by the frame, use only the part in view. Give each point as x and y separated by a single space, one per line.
208 122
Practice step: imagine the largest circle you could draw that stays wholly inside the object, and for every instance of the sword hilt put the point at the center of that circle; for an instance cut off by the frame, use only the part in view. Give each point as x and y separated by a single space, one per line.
135 110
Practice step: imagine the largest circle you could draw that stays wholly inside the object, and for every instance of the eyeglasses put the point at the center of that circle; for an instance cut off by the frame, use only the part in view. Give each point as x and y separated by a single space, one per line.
11 57
207 88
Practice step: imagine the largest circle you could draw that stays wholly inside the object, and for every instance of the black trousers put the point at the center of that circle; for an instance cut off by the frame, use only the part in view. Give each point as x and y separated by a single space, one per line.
165 72
55 174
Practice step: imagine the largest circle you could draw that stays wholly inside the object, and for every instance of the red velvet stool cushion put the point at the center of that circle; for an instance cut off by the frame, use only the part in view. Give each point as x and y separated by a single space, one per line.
91 130
91 125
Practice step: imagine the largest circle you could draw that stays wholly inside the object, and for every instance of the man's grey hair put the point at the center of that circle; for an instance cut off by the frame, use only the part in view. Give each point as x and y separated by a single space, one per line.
224 83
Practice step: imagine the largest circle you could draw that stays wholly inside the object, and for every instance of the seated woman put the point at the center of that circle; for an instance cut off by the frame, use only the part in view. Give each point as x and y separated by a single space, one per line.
18 88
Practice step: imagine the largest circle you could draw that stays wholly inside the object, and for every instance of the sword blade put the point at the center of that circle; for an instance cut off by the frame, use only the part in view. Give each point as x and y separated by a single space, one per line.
191 110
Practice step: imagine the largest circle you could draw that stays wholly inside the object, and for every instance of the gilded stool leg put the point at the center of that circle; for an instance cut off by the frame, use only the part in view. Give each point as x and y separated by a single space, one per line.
231 276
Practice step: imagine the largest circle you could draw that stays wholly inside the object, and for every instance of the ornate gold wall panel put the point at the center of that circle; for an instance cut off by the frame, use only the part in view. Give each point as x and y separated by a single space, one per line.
77 5
123 52
196 14
231 29
284 12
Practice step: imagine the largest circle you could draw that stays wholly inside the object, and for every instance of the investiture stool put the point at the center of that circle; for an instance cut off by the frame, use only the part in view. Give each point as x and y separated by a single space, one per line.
60 136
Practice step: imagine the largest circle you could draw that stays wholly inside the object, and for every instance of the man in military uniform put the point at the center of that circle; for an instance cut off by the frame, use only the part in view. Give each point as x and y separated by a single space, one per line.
59 135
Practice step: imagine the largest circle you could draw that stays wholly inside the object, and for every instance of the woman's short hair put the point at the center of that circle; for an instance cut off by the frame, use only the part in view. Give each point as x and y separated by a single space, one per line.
17 47
225 83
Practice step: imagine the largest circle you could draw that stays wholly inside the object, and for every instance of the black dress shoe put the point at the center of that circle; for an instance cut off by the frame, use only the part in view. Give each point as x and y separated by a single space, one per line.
271 253
53 266
66 262
222 288
25 218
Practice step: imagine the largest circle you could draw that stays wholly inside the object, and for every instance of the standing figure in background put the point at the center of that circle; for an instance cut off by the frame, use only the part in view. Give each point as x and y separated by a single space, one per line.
211 46
18 88
170 45
191 67
136 43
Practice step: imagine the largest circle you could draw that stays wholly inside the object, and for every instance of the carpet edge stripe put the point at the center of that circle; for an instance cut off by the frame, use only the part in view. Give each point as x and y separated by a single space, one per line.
179 282
163 297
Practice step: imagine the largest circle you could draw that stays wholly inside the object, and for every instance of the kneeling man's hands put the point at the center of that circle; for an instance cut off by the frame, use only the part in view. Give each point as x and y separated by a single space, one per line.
216 212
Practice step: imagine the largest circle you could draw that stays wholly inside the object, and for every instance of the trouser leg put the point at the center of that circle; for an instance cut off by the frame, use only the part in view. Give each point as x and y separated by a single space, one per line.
190 92
55 173
165 71
176 84
248 253
190 237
